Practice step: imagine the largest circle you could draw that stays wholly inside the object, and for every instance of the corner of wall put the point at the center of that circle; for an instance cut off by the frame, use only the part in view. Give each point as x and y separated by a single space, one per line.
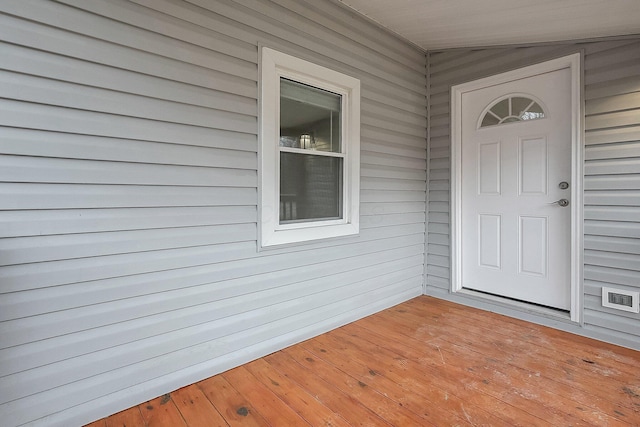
427 74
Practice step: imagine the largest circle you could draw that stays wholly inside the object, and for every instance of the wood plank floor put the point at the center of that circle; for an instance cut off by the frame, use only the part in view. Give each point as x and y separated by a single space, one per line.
425 362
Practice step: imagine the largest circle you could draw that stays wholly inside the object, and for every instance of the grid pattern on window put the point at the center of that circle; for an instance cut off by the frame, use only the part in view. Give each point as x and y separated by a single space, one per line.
310 151
512 108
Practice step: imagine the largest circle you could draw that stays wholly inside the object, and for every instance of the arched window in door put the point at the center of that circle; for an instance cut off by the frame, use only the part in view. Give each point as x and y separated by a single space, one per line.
512 108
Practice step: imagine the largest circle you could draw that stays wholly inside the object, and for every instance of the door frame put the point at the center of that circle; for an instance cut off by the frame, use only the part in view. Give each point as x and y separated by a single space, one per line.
573 62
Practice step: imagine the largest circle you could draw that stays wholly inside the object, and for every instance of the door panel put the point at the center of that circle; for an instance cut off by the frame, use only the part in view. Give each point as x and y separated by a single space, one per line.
489 239
489 168
533 248
515 240
532 161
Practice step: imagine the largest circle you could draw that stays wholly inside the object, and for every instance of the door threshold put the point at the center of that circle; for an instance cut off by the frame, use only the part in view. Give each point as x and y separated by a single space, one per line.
531 308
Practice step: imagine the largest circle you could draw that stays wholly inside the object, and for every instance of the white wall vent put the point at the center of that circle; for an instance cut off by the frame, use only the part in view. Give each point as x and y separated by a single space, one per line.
621 299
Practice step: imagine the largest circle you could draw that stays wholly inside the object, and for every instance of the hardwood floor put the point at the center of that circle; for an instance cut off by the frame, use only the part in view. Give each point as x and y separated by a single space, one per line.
426 362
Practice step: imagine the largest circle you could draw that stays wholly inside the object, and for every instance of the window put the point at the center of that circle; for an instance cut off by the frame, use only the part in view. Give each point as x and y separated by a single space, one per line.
510 109
310 151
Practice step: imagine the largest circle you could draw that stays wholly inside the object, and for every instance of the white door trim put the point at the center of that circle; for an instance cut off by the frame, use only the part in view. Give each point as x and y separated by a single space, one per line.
577 147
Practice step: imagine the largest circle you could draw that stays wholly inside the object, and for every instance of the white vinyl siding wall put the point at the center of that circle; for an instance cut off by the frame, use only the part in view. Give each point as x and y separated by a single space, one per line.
612 184
612 172
128 196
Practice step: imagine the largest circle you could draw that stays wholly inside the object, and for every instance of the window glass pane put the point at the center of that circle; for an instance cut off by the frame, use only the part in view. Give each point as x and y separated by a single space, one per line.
501 109
533 112
309 117
512 109
535 108
489 120
310 187
519 105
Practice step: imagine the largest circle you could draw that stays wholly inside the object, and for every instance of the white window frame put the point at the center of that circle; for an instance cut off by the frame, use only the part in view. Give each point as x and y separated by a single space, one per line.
275 65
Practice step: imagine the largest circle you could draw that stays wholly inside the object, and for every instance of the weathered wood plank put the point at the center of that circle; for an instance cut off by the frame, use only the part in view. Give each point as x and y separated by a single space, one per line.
350 408
161 411
452 380
234 407
423 362
391 411
305 404
266 403
429 401
196 409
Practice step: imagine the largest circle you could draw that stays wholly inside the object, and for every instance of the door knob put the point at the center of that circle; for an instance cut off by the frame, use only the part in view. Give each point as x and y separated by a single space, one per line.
562 202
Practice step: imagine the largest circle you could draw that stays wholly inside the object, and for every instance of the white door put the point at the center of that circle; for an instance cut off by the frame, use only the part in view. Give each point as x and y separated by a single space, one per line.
516 189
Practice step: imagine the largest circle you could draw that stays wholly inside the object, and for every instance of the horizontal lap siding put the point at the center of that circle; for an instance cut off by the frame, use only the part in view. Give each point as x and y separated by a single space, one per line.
128 216
612 184
612 167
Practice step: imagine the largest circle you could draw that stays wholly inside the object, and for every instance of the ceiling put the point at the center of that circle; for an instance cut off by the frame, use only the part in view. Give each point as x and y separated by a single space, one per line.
442 24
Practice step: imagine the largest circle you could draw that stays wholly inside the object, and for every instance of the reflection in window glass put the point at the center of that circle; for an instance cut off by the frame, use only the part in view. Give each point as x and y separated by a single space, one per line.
310 184
310 151
310 187
512 109
519 105
309 117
